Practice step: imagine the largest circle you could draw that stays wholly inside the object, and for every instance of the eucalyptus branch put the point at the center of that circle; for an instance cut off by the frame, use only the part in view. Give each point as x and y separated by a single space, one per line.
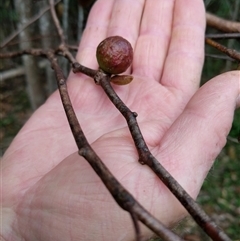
87 71
222 24
34 52
119 193
145 157
56 22
66 53
136 227
62 47
72 47
230 52
223 35
61 51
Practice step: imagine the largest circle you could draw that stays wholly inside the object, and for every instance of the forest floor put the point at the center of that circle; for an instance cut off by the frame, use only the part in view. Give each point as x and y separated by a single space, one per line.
220 194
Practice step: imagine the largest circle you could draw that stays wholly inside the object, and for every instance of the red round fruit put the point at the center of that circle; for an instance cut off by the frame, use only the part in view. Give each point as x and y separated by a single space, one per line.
114 55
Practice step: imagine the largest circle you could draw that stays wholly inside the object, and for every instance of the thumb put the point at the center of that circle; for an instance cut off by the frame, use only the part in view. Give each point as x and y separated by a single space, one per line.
195 139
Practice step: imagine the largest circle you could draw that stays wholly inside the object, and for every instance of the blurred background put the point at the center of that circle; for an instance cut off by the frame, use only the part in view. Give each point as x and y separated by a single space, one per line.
26 82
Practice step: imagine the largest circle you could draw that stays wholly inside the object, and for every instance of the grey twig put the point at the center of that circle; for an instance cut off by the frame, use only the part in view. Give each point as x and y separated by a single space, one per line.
31 21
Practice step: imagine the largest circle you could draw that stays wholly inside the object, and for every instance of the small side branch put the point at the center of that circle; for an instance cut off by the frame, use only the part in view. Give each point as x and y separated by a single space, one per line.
136 227
230 52
119 193
62 47
34 52
87 71
222 24
61 51
145 157
56 21
223 35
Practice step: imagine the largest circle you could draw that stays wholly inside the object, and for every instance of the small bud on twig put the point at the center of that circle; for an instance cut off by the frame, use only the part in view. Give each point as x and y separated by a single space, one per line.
121 79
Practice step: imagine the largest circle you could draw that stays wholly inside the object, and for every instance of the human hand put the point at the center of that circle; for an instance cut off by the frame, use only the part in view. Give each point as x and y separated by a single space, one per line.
50 193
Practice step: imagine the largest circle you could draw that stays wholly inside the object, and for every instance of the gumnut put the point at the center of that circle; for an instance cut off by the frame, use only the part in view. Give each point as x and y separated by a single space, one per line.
114 55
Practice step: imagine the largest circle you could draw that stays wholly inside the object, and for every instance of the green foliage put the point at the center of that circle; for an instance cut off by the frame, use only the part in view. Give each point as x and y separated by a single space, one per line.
220 7
5 14
220 193
15 109
235 130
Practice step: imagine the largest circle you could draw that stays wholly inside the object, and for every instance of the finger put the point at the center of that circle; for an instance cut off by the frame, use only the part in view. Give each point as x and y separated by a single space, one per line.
185 56
153 38
94 33
125 19
195 139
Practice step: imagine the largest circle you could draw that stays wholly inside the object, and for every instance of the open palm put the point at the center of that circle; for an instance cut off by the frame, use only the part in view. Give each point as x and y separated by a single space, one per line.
50 193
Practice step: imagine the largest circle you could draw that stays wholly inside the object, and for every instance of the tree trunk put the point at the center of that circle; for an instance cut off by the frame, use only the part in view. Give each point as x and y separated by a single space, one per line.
33 77
49 34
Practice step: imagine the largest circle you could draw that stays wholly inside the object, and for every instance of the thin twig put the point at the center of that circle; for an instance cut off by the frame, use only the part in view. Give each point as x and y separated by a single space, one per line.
66 53
230 52
61 51
19 71
32 39
120 194
218 56
136 226
232 139
56 22
31 21
145 157
62 47
72 47
223 35
143 216
87 71
230 43
34 52
222 24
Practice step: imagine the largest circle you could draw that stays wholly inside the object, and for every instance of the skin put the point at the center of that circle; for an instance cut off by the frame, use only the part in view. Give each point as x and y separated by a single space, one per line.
50 193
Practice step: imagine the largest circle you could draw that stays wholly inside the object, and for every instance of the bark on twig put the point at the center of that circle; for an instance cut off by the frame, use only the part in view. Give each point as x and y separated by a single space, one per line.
222 24
56 21
63 47
145 157
119 193
230 52
34 52
223 36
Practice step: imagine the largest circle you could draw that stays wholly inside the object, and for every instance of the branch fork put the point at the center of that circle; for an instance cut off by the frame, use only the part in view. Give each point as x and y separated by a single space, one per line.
145 156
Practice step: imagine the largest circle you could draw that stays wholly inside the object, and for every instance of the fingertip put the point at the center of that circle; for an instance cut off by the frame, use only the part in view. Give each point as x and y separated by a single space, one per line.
185 56
225 85
125 19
